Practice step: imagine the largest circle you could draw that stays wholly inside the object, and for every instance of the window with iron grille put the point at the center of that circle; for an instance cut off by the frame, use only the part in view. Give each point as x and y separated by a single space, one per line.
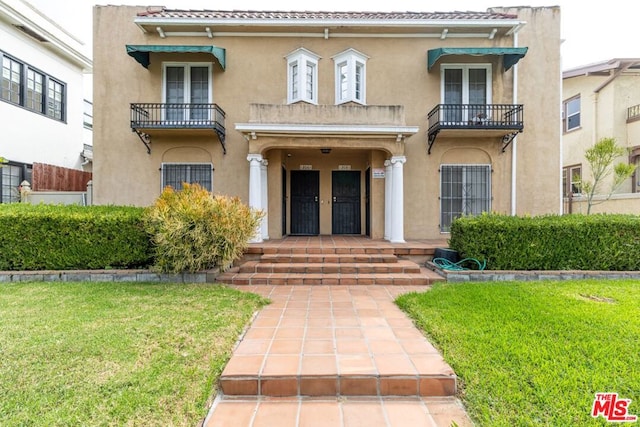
175 174
464 190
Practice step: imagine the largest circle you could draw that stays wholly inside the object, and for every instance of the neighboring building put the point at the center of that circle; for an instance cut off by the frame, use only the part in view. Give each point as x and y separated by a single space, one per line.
388 125
41 98
601 100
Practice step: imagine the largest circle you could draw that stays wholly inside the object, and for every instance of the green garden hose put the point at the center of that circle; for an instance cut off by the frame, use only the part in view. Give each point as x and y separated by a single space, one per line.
446 264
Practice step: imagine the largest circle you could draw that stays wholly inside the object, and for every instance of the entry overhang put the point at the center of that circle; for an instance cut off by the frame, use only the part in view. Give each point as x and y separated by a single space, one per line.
511 55
141 52
253 130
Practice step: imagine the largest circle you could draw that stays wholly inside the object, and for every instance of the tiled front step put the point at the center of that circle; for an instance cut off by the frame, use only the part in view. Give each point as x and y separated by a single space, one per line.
327 250
315 385
328 258
338 412
401 266
425 277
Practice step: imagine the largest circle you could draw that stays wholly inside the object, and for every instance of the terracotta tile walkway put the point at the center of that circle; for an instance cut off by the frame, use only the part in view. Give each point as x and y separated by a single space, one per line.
335 356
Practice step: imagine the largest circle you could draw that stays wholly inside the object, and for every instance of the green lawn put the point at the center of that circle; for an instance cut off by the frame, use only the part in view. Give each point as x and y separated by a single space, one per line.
535 353
114 354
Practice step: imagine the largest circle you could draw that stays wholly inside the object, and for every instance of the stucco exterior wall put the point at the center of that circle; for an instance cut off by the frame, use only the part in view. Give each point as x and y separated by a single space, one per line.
604 105
398 87
30 137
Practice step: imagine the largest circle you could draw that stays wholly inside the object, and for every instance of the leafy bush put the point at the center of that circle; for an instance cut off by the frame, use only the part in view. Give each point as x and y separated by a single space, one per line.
569 242
56 237
193 230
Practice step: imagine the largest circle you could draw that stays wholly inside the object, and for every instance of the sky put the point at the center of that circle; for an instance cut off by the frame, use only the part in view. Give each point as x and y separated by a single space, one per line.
592 31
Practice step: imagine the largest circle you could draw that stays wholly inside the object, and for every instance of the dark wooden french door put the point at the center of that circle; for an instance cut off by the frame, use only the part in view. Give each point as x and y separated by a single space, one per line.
345 195
305 208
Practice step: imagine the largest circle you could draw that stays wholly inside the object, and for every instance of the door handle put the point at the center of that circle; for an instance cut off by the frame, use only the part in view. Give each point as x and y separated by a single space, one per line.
334 199
315 199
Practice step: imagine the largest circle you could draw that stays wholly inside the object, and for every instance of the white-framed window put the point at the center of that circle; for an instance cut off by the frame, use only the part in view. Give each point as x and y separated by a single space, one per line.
467 85
187 87
175 174
571 180
464 190
302 76
351 73
571 113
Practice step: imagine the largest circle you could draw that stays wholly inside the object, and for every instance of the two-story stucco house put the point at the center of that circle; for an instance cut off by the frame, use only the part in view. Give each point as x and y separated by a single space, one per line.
387 125
601 100
42 97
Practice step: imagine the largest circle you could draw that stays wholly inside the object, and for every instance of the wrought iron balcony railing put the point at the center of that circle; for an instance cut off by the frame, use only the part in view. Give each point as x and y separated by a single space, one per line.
482 117
633 113
148 117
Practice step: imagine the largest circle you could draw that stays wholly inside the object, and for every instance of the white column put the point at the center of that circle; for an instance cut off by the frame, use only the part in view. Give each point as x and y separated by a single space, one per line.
255 189
388 179
264 195
397 200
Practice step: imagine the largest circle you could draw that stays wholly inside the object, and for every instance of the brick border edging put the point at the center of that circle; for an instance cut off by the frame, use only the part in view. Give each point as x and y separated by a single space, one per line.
525 276
107 276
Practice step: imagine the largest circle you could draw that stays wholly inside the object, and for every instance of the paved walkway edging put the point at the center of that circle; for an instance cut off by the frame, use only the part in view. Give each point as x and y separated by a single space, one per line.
107 276
526 276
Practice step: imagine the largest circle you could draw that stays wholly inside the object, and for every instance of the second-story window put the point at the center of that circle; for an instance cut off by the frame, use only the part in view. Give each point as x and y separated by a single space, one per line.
187 88
302 76
25 86
350 76
11 80
55 99
571 113
468 85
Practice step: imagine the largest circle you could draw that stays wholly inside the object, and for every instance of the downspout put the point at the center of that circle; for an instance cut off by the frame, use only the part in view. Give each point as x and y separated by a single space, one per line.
514 146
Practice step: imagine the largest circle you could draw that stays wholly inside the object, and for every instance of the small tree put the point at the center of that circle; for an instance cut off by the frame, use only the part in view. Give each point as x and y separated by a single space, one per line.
601 159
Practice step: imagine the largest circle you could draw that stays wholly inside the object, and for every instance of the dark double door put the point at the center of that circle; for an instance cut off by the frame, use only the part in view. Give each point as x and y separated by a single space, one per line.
345 202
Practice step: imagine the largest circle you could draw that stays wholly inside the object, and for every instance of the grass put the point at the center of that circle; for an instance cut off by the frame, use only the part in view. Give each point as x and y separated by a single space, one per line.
535 353
115 354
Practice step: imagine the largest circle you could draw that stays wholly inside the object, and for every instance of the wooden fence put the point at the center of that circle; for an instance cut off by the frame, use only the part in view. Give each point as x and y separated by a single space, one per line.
55 178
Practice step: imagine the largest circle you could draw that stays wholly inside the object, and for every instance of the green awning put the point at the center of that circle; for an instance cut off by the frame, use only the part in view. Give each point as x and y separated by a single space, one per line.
511 55
141 52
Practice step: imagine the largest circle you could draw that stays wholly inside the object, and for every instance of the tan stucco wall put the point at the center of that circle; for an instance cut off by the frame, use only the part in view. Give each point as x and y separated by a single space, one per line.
618 203
603 114
397 75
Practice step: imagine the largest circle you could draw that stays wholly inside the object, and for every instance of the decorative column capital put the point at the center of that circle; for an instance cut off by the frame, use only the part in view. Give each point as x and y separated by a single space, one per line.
254 158
265 162
387 163
398 160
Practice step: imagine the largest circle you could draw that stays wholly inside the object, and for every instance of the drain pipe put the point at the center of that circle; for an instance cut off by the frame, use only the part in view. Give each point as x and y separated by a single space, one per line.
514 145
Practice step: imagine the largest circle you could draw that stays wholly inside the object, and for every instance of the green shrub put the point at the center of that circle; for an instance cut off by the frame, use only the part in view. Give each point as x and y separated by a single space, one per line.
552 242
56 237
193 230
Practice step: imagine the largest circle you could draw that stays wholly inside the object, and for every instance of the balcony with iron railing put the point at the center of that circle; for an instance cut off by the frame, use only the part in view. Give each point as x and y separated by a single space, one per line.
633 113
482 120
149 119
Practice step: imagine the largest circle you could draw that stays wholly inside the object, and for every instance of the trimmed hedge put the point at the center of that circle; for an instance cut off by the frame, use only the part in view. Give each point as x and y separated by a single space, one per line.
56 237
609 242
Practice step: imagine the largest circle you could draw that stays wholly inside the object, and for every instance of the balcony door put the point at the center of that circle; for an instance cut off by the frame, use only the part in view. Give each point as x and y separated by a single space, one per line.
467 86
187 90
